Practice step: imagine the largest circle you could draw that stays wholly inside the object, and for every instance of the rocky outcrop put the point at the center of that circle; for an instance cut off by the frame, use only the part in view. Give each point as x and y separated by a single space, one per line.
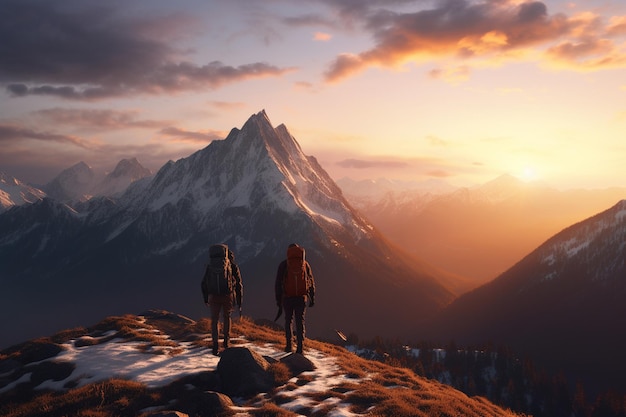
244 372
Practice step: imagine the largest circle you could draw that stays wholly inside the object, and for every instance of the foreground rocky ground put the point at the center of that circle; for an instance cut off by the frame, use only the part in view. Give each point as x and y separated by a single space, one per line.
160 363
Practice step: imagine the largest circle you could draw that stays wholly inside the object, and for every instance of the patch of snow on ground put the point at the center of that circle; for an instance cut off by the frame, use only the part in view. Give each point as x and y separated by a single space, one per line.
23 378
325 377
126 360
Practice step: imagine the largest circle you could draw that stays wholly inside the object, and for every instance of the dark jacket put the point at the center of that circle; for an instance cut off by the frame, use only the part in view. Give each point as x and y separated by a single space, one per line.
280 278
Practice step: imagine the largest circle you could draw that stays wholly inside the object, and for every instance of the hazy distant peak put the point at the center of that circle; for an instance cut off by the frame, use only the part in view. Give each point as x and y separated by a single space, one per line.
373 190
80 171
130 167
126 172
73 183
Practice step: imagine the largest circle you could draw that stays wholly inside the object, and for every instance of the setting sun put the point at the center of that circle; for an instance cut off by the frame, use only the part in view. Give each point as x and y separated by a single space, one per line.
528 174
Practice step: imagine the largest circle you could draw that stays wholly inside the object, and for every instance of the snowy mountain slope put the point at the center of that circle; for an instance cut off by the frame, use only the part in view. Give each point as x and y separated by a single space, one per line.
130 365
14 192
561 302
256 191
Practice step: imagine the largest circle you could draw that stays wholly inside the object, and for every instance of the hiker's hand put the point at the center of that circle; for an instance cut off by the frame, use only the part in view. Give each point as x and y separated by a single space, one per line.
206 304
311 303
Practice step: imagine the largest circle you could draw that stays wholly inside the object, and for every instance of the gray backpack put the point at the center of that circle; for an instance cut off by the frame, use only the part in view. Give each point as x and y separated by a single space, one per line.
218 276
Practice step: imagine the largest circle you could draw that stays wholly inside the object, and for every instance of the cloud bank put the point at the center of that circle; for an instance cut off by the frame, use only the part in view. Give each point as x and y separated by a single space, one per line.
90 52
489 30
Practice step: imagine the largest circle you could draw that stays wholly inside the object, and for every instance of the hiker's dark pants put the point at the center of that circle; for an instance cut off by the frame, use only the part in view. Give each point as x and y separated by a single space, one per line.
218 304
294 306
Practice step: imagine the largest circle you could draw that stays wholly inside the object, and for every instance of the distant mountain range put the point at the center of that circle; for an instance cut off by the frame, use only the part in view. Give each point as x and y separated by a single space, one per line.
76 183
564 304
63 262
477 232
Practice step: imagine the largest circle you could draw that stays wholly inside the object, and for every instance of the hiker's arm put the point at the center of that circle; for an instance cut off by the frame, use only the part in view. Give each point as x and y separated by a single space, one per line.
205 290
311 285
278 285
238 285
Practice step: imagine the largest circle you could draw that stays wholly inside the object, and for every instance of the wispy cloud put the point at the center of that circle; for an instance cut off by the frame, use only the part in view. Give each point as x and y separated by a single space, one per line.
367 164
191 136
451 75
89 52
321 36
99 118
228 105
436 141
14 134
409 167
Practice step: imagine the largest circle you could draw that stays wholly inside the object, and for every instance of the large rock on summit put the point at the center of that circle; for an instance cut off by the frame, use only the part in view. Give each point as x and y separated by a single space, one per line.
244 373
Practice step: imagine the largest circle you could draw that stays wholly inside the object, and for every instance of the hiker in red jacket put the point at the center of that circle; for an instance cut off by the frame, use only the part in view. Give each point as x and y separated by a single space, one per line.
294 285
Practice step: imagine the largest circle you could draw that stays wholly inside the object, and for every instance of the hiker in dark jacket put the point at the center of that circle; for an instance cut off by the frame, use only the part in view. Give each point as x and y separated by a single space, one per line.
224 303
294 285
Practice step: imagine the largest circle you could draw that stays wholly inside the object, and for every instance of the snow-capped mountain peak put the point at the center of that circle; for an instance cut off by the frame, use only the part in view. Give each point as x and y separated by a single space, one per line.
267 168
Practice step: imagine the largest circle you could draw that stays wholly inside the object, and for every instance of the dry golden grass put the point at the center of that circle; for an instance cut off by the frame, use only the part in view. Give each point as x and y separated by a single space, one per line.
107 398
280 373
271 410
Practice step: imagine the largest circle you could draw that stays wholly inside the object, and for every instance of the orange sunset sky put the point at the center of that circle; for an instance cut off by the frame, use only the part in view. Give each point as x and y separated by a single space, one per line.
457 90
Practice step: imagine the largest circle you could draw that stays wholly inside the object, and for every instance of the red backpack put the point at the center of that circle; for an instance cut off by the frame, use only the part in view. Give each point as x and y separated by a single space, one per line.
296 282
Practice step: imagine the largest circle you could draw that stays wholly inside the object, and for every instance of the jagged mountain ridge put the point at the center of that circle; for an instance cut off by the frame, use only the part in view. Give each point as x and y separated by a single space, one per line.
15 192
255 191
562 303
